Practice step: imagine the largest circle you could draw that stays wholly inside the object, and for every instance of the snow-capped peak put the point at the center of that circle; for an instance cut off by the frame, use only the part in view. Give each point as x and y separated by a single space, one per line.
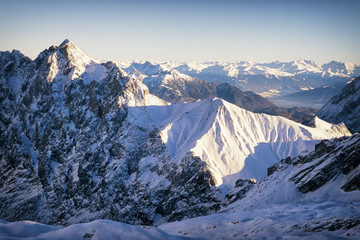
69 61
74 54
234 142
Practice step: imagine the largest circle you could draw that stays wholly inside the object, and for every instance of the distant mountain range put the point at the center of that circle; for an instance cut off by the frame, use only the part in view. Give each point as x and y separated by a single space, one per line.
267 79
175 87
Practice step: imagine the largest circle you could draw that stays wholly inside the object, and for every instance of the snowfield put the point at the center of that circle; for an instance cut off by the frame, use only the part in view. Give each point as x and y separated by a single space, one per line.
326 220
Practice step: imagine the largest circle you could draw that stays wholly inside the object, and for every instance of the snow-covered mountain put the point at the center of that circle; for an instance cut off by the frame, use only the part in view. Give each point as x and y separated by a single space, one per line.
169 84
233 142
84 140
173 86
344 107
75 146
268 79
313 196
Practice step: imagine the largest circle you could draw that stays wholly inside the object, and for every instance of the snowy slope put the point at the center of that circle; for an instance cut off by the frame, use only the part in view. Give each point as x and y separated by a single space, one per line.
169 84
344 107
279 208
99 229
234 142
275 208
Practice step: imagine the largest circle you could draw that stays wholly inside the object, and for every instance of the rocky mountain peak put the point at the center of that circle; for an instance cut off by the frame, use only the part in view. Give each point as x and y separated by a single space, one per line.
72 52
65 42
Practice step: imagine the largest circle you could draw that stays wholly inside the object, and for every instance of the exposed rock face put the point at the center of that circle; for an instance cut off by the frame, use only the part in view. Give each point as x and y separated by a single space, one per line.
70 154
242 186
344 107
329 160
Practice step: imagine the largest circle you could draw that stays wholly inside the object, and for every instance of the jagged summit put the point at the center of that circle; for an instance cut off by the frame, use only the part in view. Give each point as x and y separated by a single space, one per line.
65 42
69 62
71 51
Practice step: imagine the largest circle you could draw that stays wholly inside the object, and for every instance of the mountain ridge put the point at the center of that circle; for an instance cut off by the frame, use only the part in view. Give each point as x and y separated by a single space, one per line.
345 106
267 79
82 140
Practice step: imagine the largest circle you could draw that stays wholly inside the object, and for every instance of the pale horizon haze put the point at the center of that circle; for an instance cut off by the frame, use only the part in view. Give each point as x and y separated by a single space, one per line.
197 30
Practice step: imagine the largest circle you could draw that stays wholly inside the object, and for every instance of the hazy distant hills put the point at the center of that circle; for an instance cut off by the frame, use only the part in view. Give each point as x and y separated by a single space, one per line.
315 98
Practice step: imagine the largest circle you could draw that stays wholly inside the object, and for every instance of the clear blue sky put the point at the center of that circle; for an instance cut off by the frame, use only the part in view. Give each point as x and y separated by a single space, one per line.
187 30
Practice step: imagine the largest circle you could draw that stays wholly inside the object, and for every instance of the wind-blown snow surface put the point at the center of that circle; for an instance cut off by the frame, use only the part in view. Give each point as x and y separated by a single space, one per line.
234 142
320 220
99 229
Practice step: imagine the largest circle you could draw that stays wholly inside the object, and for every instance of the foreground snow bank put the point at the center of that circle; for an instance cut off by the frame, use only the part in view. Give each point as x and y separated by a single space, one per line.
327 220
99 229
